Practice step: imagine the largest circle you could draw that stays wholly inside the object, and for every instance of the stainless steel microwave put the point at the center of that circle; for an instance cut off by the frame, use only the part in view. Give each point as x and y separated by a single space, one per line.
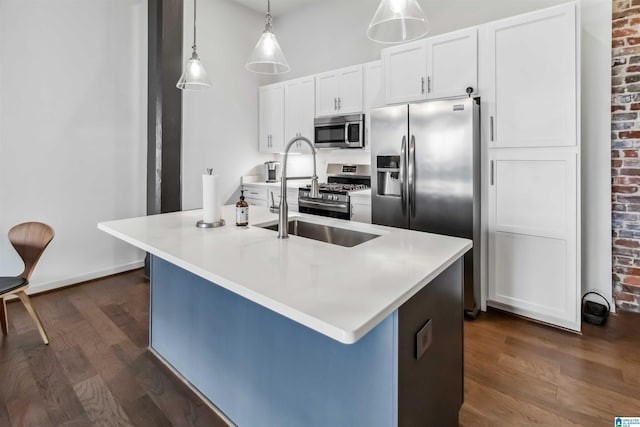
339 131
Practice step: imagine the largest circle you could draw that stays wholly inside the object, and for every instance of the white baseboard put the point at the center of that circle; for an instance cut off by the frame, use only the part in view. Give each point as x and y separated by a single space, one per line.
48 286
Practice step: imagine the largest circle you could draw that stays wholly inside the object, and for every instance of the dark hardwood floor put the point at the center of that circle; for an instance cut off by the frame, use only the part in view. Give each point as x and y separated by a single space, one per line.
97 371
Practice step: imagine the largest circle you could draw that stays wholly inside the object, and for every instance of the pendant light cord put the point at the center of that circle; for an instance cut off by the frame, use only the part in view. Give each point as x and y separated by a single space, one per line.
194 24
269 25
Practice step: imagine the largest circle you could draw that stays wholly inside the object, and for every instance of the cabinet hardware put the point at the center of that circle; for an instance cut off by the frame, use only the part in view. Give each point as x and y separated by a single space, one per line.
491 125
422 85
335 103
492 173
429 84
339 103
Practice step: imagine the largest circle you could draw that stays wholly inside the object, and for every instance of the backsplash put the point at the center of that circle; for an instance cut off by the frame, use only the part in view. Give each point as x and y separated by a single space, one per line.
302 164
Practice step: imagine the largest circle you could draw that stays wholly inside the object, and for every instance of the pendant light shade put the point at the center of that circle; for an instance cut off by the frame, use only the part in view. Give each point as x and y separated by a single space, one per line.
267 56
398 21
194 77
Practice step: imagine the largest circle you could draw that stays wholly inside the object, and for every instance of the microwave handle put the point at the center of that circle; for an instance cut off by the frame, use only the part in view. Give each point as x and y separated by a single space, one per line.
346 133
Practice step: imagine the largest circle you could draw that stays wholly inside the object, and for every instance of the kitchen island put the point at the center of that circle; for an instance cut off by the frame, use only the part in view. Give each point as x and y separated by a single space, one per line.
302 332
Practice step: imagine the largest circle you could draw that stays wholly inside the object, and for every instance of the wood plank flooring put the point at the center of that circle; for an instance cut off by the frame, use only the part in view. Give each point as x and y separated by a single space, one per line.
97 371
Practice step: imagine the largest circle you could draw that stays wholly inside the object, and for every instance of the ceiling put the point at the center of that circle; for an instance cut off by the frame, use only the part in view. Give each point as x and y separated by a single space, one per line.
283 7
278 7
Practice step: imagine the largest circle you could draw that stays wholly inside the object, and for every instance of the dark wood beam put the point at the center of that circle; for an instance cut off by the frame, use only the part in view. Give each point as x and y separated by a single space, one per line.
164 103
164 107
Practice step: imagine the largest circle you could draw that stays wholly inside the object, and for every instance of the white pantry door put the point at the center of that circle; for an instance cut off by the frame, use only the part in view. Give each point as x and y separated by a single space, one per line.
534 158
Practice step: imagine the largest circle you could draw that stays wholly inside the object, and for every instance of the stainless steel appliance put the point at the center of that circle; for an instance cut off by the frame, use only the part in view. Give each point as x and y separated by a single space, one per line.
272 171
426 174
339 131
334 200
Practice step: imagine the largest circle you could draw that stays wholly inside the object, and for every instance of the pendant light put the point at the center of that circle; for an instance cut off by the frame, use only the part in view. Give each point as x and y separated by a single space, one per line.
267 57
398 21
194 77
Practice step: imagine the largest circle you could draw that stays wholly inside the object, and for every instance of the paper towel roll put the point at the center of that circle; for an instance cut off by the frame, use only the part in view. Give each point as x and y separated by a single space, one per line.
210 198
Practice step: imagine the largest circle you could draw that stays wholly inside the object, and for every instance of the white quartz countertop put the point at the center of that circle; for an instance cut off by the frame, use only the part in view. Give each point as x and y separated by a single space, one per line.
340 292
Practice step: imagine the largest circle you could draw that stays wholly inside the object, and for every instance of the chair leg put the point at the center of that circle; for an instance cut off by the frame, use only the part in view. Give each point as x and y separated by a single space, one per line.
27 304
3 316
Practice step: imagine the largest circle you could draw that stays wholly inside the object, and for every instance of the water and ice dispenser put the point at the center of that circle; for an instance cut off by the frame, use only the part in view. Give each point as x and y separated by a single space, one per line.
388 168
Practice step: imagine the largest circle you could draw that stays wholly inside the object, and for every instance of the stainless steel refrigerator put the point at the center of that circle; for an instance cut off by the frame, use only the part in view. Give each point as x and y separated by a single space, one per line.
426 175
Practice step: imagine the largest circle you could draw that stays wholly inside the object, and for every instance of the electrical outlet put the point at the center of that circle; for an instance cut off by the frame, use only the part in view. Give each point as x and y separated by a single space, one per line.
423 339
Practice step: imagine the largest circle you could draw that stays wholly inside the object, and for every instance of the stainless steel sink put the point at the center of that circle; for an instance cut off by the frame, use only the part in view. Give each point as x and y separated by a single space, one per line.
324 233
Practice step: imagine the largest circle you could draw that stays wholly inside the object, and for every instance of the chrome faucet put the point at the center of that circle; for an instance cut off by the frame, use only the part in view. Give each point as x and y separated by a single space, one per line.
283 221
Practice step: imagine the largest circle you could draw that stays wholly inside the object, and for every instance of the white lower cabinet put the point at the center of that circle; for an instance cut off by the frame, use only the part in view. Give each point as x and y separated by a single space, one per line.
255 195
361 207
533 249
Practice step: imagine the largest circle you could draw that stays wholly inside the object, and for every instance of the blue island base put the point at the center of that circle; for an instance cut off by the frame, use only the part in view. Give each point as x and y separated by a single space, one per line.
262 369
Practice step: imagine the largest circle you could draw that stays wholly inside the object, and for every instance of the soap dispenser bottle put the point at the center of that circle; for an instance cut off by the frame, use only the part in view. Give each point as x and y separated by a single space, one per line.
242 211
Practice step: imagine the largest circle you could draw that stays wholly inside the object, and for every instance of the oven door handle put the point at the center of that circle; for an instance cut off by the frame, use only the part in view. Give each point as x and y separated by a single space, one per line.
333 207
328 205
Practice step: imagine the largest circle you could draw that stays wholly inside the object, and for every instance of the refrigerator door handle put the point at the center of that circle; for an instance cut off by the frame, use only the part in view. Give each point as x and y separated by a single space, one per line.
412 172
403 159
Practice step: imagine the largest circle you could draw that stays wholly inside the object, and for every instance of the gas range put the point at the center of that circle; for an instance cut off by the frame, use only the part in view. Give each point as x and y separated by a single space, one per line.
334 200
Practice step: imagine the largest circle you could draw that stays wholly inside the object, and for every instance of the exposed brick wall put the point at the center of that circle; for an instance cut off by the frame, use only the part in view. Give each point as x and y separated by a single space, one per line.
625 153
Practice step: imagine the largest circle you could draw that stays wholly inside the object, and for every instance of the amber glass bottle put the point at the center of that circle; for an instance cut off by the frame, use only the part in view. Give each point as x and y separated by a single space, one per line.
242 211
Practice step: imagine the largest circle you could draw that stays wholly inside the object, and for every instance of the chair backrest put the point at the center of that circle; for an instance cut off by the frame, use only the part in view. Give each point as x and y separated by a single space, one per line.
30 239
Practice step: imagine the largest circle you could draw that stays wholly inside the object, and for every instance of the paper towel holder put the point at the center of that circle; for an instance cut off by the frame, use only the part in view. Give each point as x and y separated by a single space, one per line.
216 224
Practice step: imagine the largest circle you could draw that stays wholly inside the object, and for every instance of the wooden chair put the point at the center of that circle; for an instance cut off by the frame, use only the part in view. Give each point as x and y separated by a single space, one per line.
29 239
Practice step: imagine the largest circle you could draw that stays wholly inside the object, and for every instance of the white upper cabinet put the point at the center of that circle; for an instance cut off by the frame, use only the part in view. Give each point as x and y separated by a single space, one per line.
532 72
339 92
452 63
373 94
405 72
373 86
436 67
299 111
271 117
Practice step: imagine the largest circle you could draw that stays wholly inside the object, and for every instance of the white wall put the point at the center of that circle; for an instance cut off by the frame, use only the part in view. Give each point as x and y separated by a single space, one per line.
72 130
596 147
220 126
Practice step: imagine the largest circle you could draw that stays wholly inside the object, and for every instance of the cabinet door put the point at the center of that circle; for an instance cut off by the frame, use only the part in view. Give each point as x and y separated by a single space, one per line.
255 195
361 212
271 117
373 86
405 72
264 119
373 95
350 90
277 119
532 71
291 111
299 112
326 94
452 61
533 235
